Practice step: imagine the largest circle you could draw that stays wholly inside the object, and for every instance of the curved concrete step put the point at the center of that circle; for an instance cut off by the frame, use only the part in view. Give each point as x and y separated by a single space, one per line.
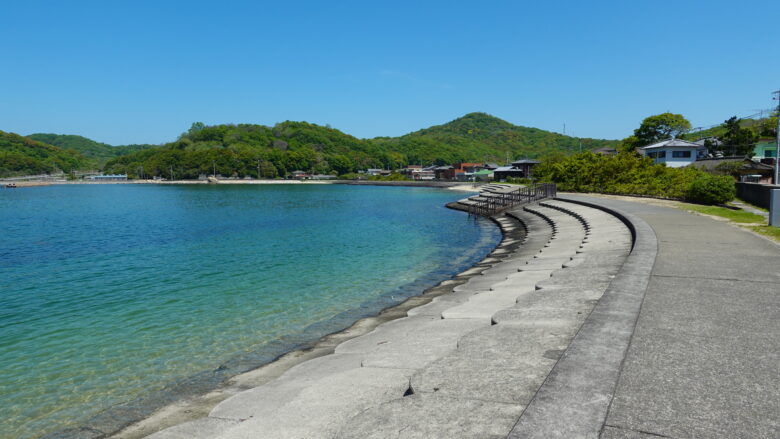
506 363
465 364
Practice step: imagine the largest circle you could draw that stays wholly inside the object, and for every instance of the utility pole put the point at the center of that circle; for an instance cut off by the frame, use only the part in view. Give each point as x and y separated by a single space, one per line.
777 138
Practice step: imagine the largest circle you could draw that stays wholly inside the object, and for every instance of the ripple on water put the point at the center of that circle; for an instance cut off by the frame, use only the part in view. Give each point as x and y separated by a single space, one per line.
133 293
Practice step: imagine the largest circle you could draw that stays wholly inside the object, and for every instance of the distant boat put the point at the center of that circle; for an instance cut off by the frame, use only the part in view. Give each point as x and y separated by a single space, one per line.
11 186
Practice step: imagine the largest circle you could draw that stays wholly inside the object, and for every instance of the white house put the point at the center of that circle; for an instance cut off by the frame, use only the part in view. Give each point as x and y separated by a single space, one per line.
675 153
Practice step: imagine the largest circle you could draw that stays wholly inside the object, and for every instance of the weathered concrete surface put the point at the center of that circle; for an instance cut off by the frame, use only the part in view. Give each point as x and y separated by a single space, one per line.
427 416
507 362
677 340
703 358
200 428
320 409
464 365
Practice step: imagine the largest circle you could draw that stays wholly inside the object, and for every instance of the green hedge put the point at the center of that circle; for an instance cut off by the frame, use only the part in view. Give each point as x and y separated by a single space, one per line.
627 174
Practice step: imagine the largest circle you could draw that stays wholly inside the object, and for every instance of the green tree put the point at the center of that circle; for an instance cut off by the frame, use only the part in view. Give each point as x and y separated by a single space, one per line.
628 144
340 163
768 127
732 169
196 127
660 127
738 139
268 170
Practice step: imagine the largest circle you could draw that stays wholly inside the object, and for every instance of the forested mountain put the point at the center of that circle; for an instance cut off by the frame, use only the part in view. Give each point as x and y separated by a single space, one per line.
481 137
23 156
245 149
100 152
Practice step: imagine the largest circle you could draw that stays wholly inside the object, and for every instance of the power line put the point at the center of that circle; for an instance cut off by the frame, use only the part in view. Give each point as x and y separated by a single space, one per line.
760 114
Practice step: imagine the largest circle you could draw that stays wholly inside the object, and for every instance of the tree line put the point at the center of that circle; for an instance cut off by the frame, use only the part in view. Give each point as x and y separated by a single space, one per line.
259 151
734 137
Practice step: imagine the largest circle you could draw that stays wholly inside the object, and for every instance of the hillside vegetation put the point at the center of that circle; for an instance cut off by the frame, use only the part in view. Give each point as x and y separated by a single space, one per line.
257 150
481 137
763 128
99 152
23 156
629 174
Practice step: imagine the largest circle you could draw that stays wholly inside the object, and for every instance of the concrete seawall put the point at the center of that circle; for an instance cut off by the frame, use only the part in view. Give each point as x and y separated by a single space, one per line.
463 363
594 318
188 410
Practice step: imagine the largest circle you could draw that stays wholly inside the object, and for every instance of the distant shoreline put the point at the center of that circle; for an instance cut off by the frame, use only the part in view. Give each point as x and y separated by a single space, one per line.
452 185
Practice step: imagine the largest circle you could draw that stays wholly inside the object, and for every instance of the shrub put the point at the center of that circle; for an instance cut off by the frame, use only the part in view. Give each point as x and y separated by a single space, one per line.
711 189
627 174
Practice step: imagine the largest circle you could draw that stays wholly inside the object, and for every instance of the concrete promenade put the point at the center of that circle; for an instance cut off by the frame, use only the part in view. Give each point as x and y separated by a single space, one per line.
608 319
704 358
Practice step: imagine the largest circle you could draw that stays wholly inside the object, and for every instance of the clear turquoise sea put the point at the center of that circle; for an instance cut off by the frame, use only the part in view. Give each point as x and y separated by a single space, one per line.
116 299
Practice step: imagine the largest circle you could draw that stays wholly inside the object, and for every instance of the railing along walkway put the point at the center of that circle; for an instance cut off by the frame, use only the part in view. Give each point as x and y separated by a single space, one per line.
490 204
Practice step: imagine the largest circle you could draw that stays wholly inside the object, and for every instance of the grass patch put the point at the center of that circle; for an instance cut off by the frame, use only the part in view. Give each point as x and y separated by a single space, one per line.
737 216
753 205
770 231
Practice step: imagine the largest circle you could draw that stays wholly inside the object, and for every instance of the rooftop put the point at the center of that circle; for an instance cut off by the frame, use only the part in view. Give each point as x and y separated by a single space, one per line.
672 143
747 164
525 162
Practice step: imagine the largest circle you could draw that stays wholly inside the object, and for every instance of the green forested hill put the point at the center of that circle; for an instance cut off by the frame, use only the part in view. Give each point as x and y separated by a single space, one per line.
245 149
481 137
23 156
100 152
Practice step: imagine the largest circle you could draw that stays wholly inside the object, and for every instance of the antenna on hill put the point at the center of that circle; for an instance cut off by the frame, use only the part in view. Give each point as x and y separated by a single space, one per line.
564 128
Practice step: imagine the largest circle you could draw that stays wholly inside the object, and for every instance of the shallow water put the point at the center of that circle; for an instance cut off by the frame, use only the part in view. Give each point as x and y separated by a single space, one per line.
130 296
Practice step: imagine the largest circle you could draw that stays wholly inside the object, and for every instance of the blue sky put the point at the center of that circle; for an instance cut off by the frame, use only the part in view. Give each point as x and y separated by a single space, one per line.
142 71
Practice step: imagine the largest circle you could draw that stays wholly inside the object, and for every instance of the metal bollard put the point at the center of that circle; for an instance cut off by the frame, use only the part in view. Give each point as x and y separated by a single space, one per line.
774 207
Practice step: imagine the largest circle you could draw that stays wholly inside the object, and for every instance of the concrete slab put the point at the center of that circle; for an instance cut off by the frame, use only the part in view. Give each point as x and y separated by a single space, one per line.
698 367
512 342
484 305
265 400
503 380
521 279
545 263
578 276
434 308
204 428
621 433
560 297
433 416
412 350
322 409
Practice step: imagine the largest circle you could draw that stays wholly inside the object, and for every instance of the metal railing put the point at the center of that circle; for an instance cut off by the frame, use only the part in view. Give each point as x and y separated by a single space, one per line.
490 203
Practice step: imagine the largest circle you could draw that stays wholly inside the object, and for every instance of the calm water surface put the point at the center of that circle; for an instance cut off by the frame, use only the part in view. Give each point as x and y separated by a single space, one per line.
115 299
